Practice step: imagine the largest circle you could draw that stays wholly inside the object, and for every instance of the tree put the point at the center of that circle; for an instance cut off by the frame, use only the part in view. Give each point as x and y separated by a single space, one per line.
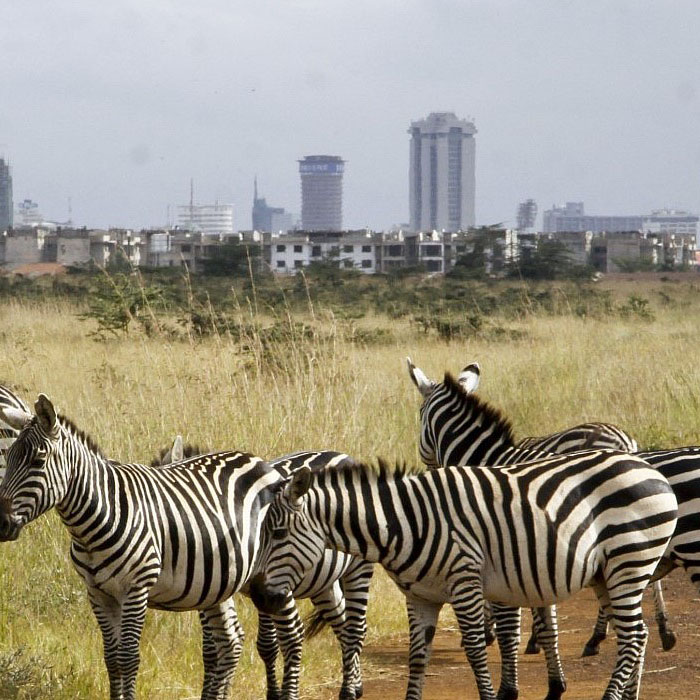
231 259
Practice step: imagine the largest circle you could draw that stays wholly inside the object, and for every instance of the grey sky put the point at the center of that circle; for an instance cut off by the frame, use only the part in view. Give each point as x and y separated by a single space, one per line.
118 104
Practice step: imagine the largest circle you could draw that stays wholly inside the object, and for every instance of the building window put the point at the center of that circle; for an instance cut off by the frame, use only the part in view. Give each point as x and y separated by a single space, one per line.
366 248
281 248
394 251
316 251
298 264
281 263
297 249
366 264
186 248
348 249
432 251
433 265
335 250
347 263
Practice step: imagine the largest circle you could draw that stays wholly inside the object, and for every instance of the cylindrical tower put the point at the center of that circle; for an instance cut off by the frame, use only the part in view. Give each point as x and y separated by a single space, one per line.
321 193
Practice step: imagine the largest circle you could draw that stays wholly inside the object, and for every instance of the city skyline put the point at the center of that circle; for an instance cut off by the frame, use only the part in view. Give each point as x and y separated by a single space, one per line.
583 102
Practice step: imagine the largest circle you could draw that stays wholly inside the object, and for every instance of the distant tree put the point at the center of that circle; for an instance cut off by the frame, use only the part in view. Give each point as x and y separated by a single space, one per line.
231 259
550 260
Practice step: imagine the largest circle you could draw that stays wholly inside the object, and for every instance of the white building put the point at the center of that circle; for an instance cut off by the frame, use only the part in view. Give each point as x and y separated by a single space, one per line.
351 250
442 180
206 218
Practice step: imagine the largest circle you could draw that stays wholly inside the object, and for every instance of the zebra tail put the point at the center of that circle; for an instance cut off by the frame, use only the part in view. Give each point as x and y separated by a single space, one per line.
314 624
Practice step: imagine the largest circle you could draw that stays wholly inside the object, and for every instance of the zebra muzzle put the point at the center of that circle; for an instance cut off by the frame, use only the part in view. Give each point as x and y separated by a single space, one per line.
10 528
264 598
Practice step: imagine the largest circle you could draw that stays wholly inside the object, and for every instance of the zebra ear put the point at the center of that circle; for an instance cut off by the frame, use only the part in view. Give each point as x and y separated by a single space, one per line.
298 486
423 384
15 417
469 377
46 414
177 451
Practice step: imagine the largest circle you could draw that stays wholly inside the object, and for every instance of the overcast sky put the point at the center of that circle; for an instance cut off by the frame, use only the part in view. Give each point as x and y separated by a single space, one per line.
117 105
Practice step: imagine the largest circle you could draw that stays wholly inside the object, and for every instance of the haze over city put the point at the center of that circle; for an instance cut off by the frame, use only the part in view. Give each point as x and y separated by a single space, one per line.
118 106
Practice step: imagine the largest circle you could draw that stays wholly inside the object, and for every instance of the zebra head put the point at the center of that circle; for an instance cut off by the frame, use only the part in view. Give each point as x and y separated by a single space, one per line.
35 479
294 544
467 380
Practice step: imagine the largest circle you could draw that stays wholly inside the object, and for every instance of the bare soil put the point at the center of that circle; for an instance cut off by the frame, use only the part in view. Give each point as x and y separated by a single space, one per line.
674 674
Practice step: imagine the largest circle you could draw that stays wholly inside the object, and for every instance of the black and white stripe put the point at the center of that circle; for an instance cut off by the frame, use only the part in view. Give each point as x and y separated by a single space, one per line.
457 426
179 538
338 586
530 534
9 401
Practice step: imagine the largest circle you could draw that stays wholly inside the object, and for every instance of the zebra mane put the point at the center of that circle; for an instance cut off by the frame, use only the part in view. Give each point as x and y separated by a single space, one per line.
79 434
382 470
500 425
189 450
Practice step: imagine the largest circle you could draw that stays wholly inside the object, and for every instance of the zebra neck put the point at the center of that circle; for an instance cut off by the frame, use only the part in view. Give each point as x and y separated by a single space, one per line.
93 493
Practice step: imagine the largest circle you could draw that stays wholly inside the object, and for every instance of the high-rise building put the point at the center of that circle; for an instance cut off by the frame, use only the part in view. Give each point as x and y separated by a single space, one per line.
321 193
5 195
442 179
207 218
267 218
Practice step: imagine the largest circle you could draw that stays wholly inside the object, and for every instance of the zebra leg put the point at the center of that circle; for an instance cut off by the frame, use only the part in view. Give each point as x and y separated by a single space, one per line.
468 604
489 634
290 634
208 656
330 604
508 635
355 584
227 636
668 637
532 645
546 631
422 621
133 617
267 650
108 614
624 604
600 632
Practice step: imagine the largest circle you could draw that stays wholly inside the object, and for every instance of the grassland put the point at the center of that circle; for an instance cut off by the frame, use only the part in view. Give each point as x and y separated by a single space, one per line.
343 386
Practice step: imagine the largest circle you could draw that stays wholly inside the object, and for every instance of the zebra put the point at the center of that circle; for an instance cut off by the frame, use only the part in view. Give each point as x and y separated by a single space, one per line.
457 427
579 437
8 400
529 534
338 586
184 537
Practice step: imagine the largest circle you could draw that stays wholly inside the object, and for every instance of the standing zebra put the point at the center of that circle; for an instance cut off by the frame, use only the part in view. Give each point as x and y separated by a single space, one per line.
338 586
457 427
580 437
185 537
530 534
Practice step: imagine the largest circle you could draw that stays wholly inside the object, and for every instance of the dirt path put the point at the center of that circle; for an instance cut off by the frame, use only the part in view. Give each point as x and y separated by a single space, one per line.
674 674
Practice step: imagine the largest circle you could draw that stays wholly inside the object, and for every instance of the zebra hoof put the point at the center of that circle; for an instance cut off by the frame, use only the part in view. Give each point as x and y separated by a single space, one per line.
591 650
668 641
273 694
507 694
532 647
359 690
556 690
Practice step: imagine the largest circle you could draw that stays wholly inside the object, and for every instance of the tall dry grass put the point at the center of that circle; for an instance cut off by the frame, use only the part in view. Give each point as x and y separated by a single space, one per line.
133 394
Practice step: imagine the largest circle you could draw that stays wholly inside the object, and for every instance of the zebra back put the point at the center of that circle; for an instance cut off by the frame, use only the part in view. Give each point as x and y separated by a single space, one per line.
586 436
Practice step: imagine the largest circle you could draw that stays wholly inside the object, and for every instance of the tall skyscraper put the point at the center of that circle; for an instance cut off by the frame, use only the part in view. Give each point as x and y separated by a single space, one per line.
5 195
267 218
322 193
441 176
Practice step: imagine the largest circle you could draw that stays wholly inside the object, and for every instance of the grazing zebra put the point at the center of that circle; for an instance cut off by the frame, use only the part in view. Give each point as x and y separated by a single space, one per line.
184 537
530 534
458 427
338 586
580 437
